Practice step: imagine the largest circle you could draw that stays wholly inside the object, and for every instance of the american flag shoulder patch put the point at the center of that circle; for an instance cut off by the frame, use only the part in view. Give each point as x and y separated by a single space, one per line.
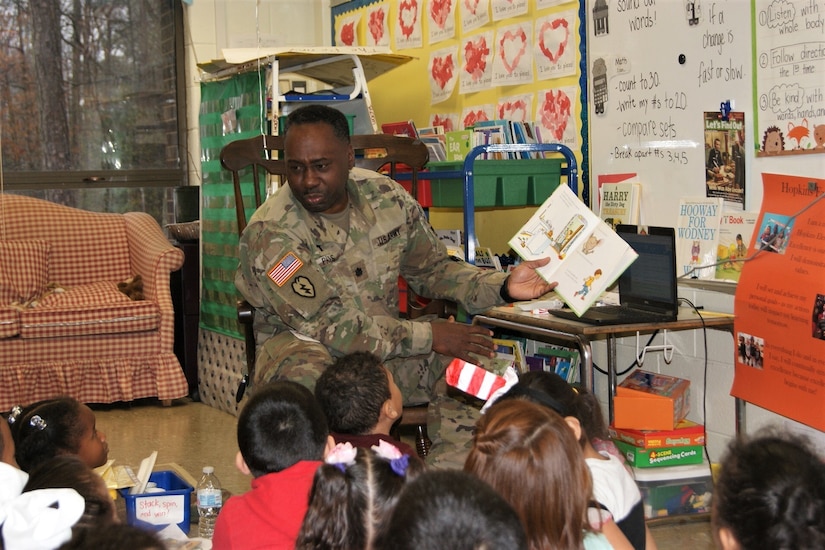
285 268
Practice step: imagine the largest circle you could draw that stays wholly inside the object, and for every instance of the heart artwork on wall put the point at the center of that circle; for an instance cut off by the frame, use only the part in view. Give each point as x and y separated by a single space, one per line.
474 116
445 122
475 57
513 110
442 69
555 112
407 16
376 25
512 46
348 34
553 38
439 11
472 6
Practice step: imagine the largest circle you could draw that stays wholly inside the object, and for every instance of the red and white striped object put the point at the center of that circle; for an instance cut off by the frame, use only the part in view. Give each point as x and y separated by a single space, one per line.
473 379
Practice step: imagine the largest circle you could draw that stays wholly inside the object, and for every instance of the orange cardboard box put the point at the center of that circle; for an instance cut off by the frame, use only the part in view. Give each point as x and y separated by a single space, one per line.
651 401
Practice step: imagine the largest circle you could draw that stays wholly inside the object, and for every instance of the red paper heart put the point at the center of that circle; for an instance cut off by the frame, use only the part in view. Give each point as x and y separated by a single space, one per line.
509 110
348 34
439 11
555 111
445 122
475 57
442 70
472 5
407 16
552 27
376 25
510 36
474 116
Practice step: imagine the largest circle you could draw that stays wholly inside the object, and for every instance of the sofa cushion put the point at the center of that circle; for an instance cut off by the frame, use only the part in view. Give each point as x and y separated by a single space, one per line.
93 294
24 270
9 321
111 318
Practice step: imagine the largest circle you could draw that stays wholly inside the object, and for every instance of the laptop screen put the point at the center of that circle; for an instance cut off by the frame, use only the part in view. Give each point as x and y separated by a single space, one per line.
650 282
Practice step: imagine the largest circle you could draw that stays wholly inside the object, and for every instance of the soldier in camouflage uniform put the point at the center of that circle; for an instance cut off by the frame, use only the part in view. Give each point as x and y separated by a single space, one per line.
320 262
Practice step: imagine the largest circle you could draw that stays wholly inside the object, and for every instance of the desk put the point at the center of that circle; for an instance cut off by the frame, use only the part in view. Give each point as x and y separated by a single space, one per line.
581 334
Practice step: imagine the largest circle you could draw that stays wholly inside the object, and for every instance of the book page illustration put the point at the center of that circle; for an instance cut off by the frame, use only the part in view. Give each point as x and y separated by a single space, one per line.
586 255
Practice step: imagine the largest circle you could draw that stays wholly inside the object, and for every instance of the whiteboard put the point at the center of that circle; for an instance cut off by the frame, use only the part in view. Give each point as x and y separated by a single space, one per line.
664 63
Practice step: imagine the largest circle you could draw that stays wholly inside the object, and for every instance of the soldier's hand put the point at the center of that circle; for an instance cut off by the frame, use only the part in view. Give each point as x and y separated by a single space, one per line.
460 340
524 282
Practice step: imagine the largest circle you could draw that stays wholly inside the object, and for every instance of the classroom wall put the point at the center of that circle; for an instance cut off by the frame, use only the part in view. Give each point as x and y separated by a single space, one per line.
414 91
208 22
212 25
665 68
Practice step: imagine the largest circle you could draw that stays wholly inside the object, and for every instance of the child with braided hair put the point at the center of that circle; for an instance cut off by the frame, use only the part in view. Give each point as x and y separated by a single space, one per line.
353 495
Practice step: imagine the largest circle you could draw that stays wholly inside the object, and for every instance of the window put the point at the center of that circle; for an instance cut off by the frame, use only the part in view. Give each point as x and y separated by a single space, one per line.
92 102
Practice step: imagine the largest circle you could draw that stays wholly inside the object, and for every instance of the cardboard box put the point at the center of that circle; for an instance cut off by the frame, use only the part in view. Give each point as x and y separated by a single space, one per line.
663 456
686 433
651 401
155 511
675 490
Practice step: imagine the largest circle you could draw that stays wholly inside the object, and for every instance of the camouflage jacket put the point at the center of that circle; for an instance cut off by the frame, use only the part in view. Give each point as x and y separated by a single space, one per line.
302 272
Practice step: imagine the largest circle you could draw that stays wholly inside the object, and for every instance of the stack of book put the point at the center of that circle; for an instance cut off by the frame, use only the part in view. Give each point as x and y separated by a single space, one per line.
669 468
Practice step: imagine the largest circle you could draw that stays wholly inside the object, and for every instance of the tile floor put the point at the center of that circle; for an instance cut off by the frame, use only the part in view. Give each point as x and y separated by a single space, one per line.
192 435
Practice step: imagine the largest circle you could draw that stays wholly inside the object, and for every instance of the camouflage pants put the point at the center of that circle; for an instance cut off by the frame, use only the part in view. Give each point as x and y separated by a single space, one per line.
287 357
450 417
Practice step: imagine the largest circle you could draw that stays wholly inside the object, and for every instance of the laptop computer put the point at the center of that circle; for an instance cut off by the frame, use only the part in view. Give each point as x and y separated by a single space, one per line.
647 289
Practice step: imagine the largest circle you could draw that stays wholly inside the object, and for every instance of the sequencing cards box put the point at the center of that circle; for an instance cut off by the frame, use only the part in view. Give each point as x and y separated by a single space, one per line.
663 456
651 401
684 434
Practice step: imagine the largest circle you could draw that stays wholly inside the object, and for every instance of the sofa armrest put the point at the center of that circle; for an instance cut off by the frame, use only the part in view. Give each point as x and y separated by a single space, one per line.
154 258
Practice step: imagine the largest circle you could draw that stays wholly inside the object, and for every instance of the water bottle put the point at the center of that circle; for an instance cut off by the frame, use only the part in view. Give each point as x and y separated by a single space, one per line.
209 502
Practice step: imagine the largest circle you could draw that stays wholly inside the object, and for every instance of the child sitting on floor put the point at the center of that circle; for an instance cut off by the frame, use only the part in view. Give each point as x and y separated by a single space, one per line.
770 493
53 427
613 487
282 437
529 455
361 401
452 509
353 495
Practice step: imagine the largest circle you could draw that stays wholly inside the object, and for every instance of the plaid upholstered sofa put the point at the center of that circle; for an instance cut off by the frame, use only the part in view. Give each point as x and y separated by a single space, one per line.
65 326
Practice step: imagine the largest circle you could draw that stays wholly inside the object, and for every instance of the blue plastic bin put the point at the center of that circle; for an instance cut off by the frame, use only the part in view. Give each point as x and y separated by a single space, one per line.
154 511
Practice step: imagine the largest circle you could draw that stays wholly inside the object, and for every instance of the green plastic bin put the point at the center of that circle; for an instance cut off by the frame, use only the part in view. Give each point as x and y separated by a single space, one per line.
511 182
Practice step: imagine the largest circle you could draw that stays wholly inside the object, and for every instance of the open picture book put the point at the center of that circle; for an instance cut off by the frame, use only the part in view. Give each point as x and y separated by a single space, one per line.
586 254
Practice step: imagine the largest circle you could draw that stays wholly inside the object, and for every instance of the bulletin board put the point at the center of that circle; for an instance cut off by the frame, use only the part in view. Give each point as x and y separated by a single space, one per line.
656 67
478 60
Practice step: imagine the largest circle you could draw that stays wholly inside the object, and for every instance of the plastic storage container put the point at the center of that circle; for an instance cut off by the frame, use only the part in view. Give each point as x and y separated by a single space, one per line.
675 490
157 510
511 182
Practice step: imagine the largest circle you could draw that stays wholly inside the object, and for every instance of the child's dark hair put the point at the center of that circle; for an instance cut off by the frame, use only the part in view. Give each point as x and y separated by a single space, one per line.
553 391
770 492
349 505
69 471
452 509
44 430
352 391
281 425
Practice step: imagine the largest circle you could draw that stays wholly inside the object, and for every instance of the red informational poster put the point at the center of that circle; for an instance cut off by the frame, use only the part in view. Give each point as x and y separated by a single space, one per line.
780 303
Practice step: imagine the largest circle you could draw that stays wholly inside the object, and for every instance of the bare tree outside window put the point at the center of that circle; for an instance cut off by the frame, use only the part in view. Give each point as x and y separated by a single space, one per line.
92 101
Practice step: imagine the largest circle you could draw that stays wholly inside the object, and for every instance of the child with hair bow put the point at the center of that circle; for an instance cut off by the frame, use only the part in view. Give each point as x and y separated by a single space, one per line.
353 494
